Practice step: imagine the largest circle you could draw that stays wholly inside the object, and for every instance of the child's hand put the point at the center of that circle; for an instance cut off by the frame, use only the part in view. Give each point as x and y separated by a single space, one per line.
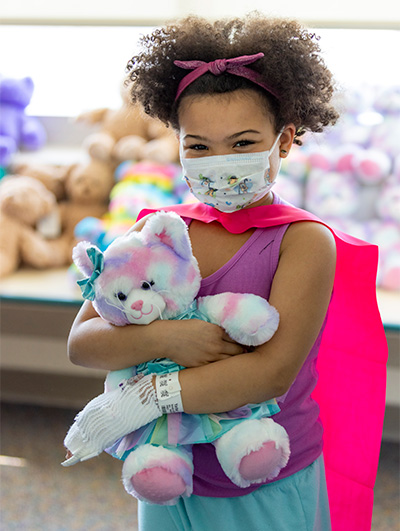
194 343
110 416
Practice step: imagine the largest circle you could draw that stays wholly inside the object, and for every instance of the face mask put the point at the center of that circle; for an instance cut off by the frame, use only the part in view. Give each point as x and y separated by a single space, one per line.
229 182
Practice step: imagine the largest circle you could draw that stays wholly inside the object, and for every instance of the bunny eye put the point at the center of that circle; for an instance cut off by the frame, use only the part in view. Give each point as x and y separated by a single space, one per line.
147 285
121 296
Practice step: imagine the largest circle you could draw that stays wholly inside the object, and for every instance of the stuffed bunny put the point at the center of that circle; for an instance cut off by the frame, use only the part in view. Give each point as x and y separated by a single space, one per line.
150 275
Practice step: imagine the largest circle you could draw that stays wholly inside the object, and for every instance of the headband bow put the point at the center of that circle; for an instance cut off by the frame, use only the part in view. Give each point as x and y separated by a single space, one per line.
87 284
235 66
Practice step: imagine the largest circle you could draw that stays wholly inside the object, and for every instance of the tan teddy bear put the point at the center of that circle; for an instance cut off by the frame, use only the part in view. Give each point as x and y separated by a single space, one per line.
51 175
81 190
87 188
129 134
24 203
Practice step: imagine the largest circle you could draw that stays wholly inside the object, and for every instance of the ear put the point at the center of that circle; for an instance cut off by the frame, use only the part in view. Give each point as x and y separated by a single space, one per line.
286 140
169 229
28 83
81 258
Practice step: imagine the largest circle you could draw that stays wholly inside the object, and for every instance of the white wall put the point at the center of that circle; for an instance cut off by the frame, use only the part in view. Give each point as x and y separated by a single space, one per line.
74 68
77 68
76 50
355 13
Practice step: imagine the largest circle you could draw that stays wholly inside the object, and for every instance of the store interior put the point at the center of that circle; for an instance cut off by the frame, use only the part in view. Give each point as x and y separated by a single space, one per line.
70 64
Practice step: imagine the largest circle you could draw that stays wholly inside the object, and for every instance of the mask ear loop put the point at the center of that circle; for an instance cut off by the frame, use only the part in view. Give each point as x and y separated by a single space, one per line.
280 158
276 141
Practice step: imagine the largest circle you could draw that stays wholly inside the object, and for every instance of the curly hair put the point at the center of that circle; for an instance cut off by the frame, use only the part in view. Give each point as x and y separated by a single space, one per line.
292 66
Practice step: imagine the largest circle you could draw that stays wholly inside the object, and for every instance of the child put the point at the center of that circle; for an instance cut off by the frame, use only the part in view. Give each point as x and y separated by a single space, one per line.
239 93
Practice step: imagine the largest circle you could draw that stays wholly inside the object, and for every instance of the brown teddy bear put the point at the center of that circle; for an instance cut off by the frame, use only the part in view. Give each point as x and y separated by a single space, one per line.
24 203
82 190
87 188
129 134
51 175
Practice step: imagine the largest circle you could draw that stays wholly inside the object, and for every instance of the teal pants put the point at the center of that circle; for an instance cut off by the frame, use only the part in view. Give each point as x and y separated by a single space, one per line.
296 503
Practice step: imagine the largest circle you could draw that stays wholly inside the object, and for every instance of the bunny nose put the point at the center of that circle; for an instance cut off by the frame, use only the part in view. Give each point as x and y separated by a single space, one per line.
137 305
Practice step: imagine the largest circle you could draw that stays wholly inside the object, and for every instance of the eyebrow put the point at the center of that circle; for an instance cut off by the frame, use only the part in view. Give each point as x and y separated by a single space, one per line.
231 137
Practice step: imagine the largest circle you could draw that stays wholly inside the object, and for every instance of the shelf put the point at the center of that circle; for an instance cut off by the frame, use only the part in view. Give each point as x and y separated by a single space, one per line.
51 286
57 286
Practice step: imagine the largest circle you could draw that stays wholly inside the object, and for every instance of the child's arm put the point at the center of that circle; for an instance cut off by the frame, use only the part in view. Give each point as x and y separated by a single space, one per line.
301 292
95 343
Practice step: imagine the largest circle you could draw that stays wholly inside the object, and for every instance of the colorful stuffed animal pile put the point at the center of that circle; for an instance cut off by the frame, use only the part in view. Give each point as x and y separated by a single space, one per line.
350 177
84 190
139 185
149 275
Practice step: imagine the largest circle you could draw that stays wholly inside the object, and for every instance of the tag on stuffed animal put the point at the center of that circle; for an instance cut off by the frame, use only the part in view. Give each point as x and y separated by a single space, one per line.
50 226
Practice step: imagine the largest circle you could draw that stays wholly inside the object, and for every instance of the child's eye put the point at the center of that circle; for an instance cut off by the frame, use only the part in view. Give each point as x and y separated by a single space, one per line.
197 147
244 143
147 285
121 296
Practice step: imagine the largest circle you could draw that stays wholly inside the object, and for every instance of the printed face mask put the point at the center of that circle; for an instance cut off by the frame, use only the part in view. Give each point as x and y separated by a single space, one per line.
229 182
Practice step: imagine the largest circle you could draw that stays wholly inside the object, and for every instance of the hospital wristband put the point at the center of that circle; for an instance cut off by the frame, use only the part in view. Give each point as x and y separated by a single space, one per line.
168 391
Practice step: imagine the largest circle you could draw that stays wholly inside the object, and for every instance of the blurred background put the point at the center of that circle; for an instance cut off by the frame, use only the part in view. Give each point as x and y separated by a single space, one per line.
81 175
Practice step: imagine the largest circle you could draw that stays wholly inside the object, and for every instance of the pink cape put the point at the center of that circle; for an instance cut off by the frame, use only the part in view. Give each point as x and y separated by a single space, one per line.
352 360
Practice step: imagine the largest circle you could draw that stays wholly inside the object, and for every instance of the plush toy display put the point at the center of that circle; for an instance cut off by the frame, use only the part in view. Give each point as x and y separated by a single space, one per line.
350 177
51 175
128 134
74 195
331 194
125 135
150 275
87 190
387 234
139 185
292 176
16 128
25 205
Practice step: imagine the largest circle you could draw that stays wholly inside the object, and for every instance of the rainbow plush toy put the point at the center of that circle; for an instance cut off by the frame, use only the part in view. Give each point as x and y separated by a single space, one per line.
150 275
139 185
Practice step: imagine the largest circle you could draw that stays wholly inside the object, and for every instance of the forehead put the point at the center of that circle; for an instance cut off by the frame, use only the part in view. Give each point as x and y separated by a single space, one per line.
240 110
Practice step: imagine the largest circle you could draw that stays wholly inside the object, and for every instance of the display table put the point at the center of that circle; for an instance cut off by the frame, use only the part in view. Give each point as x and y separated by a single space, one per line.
37 310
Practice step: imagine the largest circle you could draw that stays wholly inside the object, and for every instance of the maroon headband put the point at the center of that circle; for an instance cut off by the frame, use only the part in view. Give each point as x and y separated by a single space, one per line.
235 66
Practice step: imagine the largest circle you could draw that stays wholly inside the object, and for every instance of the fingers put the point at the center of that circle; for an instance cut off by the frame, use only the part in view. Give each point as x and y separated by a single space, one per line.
227 338
232 349
230 346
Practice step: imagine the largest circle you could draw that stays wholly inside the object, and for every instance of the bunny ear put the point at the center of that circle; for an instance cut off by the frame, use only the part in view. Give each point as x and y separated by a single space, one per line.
169 229
81 258
90 260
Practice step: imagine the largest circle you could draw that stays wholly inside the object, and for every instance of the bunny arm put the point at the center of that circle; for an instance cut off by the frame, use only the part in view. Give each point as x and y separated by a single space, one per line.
247 318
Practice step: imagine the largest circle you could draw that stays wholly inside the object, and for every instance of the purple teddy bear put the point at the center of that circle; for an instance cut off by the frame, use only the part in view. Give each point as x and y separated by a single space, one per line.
16 128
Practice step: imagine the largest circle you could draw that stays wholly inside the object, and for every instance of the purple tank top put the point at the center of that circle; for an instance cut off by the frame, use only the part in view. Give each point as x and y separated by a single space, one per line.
251 270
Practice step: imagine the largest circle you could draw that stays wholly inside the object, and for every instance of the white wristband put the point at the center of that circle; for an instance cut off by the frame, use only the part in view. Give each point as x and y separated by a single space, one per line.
168 391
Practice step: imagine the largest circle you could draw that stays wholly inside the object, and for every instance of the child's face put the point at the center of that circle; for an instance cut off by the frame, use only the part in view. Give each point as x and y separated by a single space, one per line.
223 124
